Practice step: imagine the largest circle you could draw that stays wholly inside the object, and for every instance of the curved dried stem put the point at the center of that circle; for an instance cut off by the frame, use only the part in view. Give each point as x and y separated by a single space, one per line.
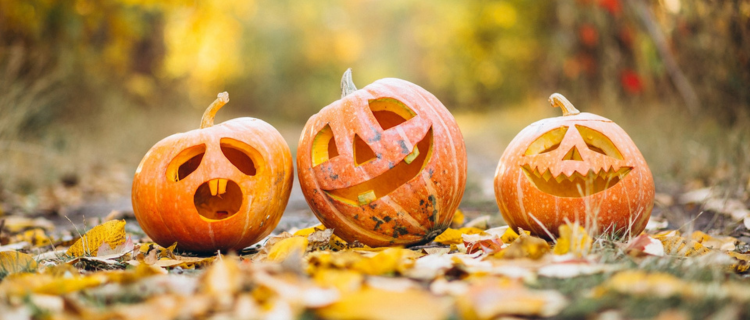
347 85
558 100
208 117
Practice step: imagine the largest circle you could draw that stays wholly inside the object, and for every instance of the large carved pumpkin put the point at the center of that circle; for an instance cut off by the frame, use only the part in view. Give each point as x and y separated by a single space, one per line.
385 165
220 187
578 167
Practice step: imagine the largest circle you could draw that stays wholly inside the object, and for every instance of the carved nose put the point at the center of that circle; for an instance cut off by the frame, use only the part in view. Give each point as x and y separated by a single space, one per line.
573 154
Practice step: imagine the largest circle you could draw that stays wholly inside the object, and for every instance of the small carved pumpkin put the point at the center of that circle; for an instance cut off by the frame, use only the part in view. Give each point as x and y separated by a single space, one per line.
578 167
221 187
385 165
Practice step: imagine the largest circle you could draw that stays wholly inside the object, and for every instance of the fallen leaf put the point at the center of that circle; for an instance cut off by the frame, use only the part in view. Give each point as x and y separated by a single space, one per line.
525 246
111 233
388 261
107 252
376 304
573 239
485 243
644 245
495 297
15 224
454 236
35 237
345 281
287 247
510 235
14 262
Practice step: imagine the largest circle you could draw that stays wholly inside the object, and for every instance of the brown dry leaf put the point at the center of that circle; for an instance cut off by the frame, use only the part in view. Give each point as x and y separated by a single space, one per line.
743 262
13 262
111 233
525 246
287 247
573 239
458 219
494 297
454 236
376 304
485 243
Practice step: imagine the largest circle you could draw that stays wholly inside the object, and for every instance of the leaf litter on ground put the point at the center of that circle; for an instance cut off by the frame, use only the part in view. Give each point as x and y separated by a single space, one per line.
468 272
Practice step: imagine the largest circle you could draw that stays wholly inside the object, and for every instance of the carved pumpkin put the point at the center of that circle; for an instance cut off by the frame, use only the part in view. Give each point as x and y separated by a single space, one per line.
578 167
220 187
385 165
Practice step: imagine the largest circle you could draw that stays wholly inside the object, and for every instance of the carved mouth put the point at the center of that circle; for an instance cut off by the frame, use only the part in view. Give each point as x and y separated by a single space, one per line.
218 199
363 193
575 185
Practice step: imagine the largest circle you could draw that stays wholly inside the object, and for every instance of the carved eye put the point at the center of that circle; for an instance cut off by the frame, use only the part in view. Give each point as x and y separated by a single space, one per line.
324 146
185 163
390 112
241 155
547 142
598 142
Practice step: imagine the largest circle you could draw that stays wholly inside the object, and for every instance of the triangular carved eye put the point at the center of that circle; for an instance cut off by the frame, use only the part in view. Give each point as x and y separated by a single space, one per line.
547 142
362 151
185 163
598 142
240 155
390 112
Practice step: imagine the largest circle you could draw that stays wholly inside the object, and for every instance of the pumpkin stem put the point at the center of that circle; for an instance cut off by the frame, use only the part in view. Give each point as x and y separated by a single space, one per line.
208 116
347 85
558 100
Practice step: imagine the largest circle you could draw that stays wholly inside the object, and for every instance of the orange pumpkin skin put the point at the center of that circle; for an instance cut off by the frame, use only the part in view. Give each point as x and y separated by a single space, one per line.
410 202
180 211
543 179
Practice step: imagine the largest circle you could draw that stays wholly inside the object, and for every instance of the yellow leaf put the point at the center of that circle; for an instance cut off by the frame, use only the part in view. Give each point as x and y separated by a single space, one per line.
345 281
308 231
453 236
573 239
286 247
510 235
110 232
36 237
525 247
388 261
376 304
14 262
458 219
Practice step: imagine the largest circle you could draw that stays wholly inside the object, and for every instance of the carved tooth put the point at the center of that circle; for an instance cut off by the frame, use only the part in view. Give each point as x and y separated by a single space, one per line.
413 155
623 172
222 186
560 178
366 197
214 186
547 175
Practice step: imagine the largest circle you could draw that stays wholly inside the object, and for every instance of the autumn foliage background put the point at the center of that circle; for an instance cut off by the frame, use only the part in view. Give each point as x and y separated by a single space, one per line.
86 87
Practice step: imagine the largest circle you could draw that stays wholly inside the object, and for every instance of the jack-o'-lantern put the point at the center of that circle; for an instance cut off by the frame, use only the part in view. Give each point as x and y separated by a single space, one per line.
579 167
385 165
220 187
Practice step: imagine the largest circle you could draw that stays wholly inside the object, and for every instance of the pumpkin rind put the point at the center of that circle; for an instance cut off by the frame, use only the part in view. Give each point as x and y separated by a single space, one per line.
623 207
414 211
166 210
